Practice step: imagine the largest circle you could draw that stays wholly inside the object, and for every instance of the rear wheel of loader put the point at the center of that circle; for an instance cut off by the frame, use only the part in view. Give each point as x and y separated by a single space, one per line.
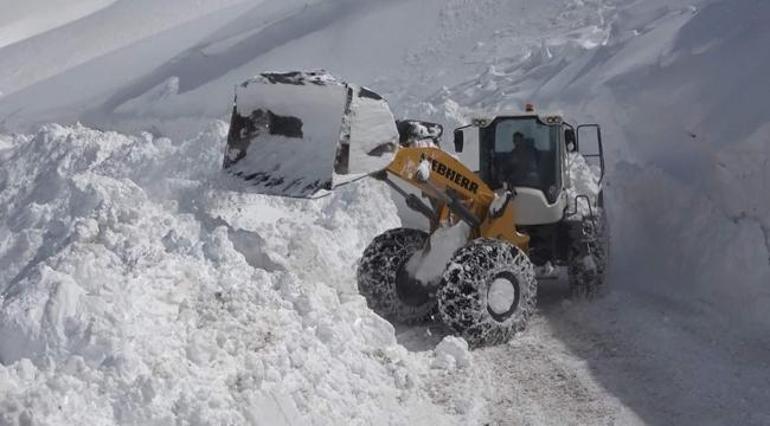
383 280
588 258
489 292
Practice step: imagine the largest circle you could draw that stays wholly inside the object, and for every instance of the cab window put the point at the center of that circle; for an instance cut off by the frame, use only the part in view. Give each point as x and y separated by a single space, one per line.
524 152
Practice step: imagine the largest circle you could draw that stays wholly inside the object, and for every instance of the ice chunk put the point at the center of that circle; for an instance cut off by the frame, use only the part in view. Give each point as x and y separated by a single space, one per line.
452 351
427 267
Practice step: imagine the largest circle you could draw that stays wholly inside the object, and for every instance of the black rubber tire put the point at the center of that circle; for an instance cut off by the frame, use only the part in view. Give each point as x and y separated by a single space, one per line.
381 276
462 299
590 239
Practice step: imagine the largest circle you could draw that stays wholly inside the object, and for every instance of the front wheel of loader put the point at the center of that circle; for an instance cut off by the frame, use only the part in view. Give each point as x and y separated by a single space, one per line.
489 292
383 280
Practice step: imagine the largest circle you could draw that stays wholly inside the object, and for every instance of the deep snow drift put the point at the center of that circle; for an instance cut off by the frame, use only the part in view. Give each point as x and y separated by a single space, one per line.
137 285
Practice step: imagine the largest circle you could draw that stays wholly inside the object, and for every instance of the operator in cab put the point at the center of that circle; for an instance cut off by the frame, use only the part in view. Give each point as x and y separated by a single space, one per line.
521 167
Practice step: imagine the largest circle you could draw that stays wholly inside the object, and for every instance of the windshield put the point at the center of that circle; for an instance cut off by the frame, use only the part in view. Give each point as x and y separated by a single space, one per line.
524 153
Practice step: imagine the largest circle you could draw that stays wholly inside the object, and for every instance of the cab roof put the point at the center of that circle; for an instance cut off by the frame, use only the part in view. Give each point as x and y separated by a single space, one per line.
551 119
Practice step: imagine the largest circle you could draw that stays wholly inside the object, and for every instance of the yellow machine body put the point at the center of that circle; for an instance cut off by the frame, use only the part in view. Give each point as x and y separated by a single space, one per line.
448 181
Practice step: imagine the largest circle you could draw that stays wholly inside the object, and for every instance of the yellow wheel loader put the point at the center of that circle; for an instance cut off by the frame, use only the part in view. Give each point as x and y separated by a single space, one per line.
502 208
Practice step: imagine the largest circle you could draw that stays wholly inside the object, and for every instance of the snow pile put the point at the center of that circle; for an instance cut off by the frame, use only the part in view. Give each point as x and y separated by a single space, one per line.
135 288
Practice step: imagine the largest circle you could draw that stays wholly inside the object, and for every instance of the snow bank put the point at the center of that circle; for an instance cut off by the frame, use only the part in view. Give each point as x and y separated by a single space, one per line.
136 288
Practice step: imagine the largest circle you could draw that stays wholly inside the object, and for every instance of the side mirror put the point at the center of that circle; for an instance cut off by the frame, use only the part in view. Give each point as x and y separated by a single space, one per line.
459 139
569 139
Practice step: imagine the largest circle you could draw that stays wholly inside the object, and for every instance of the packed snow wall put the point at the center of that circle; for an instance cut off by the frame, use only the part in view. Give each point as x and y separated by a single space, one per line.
691 217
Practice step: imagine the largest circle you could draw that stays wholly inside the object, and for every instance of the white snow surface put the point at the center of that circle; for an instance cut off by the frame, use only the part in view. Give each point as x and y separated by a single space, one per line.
139 286
22 20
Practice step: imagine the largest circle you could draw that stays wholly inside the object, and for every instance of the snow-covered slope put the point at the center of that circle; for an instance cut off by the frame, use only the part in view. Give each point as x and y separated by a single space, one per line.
173 81
130 268
22 20
98 27
135 284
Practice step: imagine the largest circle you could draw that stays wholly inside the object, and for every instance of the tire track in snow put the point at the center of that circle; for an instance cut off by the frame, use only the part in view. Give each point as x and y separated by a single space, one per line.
539 377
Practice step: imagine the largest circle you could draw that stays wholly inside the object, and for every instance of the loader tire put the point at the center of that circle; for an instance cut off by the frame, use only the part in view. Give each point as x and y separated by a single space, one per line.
489 292
589 257
383 281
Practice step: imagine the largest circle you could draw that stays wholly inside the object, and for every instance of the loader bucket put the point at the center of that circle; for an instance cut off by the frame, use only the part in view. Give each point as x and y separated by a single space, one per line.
299 133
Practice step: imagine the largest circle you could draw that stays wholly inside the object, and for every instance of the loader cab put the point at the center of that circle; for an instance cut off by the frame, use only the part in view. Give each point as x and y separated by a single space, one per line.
522 151
525 152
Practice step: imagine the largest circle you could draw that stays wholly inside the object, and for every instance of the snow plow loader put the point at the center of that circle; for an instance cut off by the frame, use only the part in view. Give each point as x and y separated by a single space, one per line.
502 208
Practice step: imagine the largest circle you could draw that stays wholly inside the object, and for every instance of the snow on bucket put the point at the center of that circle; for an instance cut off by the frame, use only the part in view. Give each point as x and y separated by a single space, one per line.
298 133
